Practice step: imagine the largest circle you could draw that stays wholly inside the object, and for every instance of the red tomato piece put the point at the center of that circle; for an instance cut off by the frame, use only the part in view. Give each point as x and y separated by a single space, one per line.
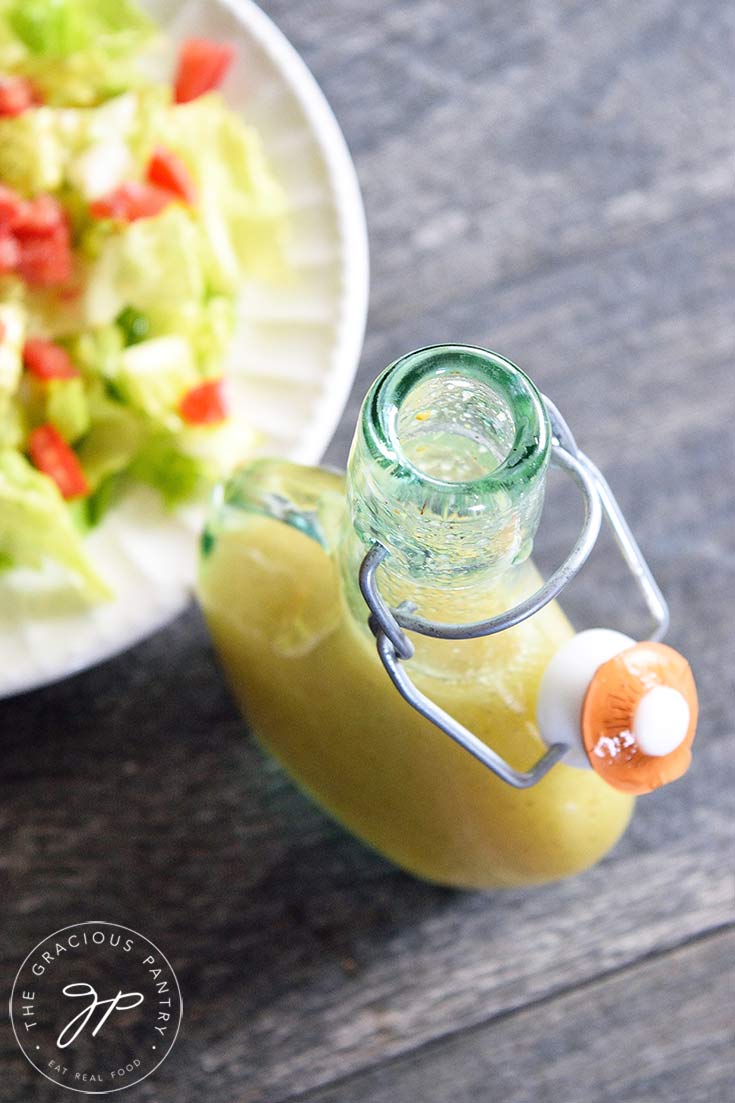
34 238
167 171
204 404
202 67
9 252
39 217
46 259
131 201
53 456
30 216
11 205
47 360
16 96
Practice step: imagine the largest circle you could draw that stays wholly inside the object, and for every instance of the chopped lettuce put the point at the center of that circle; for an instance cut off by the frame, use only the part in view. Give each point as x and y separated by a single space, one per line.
154 263
154 375
207 325
32 153
134 325
220 448
242 207
101 500
90 149
101 167
54 29
174 474
36 525
76 52
114 439
12 335
12 425
97 351
67 408
190 262
112 142
58 28
149 306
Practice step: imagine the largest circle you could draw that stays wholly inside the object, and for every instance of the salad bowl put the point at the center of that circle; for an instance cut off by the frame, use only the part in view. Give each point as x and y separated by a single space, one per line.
290 365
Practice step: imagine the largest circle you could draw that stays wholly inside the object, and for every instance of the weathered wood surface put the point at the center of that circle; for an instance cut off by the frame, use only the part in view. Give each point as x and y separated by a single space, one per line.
549 179
584 1045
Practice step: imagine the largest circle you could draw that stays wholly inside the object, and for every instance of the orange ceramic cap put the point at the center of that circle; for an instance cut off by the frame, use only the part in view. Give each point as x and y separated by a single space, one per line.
644 697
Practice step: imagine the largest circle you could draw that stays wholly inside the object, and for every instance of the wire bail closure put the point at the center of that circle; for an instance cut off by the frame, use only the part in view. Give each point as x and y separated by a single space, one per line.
389 626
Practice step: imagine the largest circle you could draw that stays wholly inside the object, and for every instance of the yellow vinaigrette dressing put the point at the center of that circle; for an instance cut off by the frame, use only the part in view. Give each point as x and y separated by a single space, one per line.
447 472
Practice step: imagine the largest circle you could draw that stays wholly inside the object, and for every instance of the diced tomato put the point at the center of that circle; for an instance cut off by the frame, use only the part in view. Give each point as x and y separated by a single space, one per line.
204 404
169 172
131 201
46 360
46 260
29 216
11 204
202 67
16 96
34 238
9 252
38 217
53 456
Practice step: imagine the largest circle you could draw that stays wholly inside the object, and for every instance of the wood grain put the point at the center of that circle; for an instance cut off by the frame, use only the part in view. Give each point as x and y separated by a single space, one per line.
548 179
494 139
585 1045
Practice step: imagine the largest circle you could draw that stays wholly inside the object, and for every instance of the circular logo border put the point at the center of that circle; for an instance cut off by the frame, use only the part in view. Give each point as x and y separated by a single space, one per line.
55 934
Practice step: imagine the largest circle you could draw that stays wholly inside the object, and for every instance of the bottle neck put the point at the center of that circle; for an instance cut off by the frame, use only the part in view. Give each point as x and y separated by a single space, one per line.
447 471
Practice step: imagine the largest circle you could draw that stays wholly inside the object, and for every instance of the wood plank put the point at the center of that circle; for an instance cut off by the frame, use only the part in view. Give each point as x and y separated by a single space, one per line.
494 139
664 1031
618 340
546 178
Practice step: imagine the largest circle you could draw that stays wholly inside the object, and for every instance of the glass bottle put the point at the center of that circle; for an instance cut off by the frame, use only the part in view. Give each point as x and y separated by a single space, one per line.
447 473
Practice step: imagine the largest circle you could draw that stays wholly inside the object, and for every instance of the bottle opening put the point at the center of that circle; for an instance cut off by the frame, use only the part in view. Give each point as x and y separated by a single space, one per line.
454 429
455 414
447 468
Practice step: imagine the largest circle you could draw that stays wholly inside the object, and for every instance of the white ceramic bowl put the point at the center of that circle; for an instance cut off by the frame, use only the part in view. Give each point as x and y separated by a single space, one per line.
293 361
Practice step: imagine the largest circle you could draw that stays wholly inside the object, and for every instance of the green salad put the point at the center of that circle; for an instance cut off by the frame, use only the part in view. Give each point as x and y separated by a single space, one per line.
131 212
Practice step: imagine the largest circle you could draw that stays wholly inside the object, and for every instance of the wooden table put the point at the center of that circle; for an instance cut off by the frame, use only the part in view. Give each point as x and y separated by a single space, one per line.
551 180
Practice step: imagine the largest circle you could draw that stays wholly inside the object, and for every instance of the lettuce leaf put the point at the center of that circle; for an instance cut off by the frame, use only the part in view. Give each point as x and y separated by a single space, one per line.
241 205
174 474
12 336
97 351
67 407
32 152
152 263
76 52
207 325
112 442
35 525
154 374
57 28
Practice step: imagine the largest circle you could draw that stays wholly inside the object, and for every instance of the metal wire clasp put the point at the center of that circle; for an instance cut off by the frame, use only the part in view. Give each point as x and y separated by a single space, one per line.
389 626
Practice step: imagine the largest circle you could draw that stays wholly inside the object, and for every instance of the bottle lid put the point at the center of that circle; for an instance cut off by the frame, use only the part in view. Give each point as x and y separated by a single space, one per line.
639 717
